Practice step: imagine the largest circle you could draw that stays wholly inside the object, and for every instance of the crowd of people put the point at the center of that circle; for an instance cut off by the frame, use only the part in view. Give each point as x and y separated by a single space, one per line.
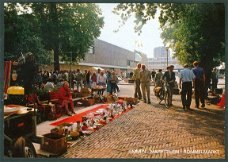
77 79
191 80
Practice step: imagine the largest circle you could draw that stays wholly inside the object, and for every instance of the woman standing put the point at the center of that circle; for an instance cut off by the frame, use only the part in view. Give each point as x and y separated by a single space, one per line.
109 78
94 80
101 80
88 79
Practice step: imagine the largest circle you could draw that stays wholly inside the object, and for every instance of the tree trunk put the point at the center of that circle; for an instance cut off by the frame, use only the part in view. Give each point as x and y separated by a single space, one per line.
55 34
56 60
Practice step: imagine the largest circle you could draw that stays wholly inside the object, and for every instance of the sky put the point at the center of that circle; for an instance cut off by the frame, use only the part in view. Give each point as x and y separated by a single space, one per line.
126 36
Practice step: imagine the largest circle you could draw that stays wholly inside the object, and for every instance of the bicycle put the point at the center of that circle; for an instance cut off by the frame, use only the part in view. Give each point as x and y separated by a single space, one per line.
163 93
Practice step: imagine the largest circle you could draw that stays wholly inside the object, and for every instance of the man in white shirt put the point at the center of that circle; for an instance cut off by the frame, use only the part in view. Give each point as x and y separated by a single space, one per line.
186 79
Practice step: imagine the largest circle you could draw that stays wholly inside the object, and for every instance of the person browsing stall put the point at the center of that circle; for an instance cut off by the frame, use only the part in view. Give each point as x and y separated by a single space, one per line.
66 98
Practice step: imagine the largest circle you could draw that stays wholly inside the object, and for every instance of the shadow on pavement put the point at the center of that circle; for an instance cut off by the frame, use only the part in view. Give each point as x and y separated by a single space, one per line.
203 122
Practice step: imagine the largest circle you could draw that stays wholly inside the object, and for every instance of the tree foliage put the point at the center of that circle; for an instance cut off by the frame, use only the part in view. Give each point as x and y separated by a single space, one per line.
193 31
65 28
22 34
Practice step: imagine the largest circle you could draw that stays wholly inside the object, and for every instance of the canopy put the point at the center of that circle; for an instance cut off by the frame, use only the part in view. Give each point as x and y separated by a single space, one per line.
96 68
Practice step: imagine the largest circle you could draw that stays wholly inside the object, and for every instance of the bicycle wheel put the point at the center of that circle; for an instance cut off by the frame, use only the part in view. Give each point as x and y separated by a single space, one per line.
23 147
166 97
161 95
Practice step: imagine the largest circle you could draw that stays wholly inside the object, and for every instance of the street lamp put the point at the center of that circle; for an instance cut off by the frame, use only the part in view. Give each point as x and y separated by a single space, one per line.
167 52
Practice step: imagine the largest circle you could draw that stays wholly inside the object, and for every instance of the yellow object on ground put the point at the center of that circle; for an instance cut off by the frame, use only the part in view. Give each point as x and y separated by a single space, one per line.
15 90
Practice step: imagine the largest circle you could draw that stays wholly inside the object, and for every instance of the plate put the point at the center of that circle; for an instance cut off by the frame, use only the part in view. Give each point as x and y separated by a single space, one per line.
15 109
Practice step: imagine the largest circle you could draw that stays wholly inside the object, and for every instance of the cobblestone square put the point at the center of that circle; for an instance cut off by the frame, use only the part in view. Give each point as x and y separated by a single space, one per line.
152 131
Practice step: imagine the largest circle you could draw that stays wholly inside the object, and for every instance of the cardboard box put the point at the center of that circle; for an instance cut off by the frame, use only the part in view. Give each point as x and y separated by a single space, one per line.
54 143
89 102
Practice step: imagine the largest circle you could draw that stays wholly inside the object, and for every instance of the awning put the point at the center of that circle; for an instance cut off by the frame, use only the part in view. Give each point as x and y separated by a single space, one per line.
105 66
96 68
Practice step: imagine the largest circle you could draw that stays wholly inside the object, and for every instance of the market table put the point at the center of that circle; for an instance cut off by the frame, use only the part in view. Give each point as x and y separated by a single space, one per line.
97 89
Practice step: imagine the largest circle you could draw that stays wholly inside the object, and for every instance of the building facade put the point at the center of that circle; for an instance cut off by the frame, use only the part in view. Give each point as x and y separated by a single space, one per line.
161 59
107 55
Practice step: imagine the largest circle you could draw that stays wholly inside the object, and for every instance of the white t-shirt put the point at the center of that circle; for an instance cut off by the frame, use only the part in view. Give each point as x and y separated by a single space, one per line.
101 79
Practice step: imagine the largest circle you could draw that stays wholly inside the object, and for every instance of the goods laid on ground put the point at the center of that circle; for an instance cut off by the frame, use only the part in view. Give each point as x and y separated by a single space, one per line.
54 143
89 122
218 91
85 92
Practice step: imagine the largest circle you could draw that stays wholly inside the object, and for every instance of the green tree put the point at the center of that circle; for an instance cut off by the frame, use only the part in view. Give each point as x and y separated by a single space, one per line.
22 34
68 28
193 31
65 28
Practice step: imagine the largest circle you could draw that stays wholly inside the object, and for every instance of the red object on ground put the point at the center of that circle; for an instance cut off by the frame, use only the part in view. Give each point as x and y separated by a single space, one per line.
222 101
78 117
120 102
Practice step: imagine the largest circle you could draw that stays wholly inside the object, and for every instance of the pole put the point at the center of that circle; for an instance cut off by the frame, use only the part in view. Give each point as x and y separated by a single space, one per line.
70 69
167 56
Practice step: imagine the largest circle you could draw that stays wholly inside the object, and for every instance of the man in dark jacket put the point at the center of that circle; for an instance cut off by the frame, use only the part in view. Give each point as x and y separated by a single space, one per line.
169 75
199 84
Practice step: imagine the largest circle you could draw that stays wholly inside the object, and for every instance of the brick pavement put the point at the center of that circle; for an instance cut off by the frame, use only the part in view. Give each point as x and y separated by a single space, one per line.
152 131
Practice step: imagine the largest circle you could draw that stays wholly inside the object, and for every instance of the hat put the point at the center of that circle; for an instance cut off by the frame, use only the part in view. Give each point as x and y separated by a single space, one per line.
195 63
185 65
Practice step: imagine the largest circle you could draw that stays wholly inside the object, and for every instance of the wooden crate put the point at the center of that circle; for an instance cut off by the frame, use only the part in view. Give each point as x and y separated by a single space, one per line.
89 102
54 143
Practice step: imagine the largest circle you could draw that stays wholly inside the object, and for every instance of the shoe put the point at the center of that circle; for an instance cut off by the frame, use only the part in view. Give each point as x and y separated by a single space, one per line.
69 114
73 112
149 102
184 107
144 101
203 105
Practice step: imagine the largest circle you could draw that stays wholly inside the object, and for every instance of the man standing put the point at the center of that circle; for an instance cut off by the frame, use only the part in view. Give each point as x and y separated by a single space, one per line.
79 79
136 78
145 78
214 79
158 78
153 73
199 84
170 78
186 78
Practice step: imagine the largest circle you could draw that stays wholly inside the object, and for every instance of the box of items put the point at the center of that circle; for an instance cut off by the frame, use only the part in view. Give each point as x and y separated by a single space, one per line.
54 143
85 92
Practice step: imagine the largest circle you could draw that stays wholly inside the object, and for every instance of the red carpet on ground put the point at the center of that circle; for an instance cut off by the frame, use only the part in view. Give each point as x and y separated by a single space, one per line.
78 117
